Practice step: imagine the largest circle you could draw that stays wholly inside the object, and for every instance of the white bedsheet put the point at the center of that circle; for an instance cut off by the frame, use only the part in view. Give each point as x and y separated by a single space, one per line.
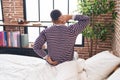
15 67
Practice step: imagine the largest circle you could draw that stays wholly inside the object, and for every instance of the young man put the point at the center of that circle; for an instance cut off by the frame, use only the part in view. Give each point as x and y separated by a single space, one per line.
60 38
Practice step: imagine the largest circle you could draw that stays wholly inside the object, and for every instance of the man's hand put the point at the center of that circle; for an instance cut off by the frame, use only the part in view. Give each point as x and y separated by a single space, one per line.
65 18
50 61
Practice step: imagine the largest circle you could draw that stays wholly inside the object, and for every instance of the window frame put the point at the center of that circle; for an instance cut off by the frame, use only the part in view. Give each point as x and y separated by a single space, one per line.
25 17
2 20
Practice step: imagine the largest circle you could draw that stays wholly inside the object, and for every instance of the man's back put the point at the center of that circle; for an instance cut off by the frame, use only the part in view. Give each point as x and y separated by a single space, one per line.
60 43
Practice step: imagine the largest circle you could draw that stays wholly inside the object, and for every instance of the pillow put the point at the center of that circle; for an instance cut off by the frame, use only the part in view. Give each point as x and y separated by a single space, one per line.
69 69
101 65
115 75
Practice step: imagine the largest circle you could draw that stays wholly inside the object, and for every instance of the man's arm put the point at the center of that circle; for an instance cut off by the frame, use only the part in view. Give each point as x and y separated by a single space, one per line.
38 45
38 49
79 26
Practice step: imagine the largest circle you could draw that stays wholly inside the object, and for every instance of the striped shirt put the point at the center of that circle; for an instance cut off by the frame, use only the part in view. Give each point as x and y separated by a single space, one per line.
60 40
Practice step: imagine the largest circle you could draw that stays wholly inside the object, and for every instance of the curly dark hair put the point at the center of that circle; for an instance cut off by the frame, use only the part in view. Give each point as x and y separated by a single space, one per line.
55 14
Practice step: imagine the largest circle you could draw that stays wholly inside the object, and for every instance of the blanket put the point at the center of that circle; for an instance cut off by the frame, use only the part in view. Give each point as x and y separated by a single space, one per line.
97 67
16 67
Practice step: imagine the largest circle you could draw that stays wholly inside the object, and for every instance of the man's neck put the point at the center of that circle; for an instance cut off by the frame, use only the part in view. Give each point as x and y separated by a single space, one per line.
58 23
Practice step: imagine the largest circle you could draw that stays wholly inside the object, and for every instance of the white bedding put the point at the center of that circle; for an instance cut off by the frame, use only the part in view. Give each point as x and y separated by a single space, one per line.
16 67
98 67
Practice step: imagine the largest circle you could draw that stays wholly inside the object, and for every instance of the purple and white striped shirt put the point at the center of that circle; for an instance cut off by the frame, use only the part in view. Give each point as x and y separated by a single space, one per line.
60 40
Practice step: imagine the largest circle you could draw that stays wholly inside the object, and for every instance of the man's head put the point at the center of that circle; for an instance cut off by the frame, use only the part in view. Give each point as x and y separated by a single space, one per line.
55 14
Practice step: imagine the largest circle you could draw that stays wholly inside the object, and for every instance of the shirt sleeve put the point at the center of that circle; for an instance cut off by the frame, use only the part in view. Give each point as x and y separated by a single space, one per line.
79 26
39 42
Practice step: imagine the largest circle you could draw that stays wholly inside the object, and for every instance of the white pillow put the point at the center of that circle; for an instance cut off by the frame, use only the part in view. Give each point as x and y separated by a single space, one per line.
101 65
115 75
69 69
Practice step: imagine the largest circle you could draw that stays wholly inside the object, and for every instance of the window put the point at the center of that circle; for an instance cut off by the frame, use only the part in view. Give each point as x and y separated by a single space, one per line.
39 10
1 18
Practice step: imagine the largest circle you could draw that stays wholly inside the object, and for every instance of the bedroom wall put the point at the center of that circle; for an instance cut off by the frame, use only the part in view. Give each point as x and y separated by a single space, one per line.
13 9
116 41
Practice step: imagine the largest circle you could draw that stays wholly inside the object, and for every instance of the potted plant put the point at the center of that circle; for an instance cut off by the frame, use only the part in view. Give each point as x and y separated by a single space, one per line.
97 31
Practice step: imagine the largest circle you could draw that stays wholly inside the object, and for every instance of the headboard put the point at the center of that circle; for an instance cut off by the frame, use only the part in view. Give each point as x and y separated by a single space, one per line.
19 51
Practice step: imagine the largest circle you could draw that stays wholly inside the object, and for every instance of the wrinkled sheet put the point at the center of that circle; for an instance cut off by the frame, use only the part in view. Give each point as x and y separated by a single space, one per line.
16 67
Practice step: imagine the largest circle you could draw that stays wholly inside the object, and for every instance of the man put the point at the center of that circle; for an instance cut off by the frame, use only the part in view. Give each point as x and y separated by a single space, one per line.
60 38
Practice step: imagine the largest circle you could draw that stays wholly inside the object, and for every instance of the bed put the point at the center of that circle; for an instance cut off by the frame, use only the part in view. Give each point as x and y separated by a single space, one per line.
98 67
